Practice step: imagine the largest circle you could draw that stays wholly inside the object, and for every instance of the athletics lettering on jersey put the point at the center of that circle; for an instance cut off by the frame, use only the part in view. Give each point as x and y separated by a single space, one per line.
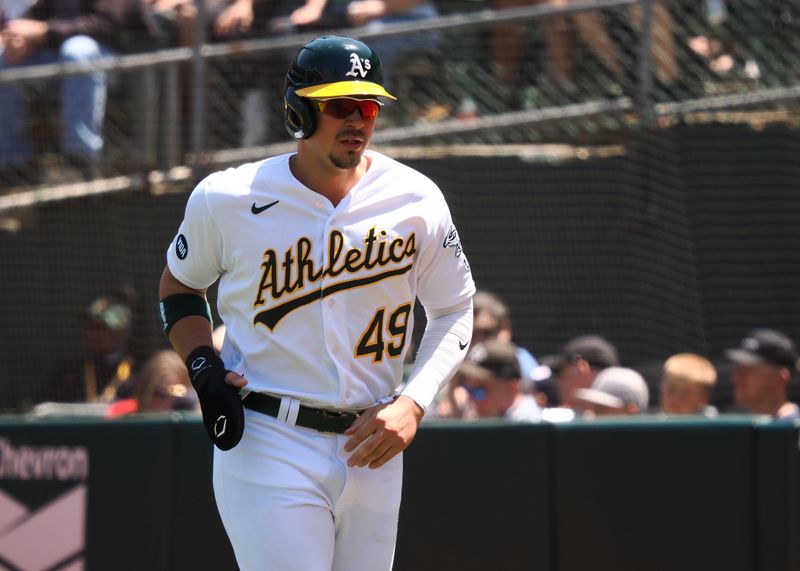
295 269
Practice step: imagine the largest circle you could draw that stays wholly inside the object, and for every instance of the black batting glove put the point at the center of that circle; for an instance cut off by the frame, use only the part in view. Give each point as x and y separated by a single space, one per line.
223 413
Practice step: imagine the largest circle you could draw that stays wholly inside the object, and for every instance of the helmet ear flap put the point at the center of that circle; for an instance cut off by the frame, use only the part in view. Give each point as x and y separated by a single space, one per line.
300 120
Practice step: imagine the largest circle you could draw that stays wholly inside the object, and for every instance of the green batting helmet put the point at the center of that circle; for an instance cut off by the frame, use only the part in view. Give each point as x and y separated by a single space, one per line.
330 66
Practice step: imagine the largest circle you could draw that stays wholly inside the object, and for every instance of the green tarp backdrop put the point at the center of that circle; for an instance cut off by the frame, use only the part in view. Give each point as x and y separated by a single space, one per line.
646 494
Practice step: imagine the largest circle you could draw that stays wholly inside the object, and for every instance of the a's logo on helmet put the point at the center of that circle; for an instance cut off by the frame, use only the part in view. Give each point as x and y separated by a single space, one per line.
360 66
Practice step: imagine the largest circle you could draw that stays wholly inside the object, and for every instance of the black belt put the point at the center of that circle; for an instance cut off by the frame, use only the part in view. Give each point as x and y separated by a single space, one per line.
315 418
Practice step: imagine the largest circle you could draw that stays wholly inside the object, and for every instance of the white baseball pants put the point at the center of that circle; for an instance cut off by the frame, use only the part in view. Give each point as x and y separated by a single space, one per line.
289 502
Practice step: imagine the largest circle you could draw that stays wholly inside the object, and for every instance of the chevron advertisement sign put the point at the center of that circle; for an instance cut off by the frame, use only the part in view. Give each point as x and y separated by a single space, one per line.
43 492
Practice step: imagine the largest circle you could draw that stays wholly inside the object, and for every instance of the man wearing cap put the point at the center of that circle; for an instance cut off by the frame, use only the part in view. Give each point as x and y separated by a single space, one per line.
491 376
616 390
577 364
320 256
491 320
103 372
766 361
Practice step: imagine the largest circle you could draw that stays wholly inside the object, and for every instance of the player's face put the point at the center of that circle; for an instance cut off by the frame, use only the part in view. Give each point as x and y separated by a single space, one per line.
344 129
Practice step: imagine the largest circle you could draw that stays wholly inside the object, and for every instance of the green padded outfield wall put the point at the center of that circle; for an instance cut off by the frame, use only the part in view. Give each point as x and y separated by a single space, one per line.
477 498
640 495
778 505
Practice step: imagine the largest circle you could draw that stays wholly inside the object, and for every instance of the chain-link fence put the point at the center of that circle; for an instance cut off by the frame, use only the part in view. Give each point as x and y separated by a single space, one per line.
569 137
473 71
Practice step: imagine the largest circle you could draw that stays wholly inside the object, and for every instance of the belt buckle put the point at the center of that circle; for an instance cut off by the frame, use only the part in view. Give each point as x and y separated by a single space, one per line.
336 413
342 419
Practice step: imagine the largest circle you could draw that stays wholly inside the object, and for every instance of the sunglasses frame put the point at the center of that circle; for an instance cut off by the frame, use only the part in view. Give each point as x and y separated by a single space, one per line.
357 104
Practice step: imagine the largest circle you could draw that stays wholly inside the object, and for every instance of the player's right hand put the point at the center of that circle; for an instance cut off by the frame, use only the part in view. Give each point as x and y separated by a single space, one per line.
218 391
382 431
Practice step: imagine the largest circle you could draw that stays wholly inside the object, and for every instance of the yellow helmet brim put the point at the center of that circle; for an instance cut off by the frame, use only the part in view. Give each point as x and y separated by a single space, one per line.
344 89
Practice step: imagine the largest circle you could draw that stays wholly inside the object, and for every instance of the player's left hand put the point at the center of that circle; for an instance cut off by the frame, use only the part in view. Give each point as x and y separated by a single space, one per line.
382 432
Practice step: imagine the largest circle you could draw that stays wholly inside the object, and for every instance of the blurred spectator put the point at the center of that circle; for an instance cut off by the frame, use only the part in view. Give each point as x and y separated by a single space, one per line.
491 321
225 19
137 27
663 51
543 386
159 23
687 383
162 385
55 31
720 48
545 391
176 19
508 42
452 402
615 391
145 25
230 19
103 372
254 80
766 361
578 363
374 15
491 377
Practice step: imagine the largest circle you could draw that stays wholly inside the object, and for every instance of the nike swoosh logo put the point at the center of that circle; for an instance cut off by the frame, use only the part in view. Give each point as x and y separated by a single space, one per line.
259 209
461 345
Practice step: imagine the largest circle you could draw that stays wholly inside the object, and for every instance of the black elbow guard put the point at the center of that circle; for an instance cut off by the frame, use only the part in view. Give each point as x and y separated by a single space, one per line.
220 403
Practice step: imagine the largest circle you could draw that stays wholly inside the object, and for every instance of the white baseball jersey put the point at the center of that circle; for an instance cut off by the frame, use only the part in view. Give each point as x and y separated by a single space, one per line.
318 300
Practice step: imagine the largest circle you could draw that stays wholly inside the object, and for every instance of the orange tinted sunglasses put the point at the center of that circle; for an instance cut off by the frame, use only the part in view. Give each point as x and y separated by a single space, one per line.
342 108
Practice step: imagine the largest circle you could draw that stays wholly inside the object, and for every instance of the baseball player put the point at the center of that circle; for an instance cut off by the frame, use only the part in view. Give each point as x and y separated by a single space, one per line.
320 255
